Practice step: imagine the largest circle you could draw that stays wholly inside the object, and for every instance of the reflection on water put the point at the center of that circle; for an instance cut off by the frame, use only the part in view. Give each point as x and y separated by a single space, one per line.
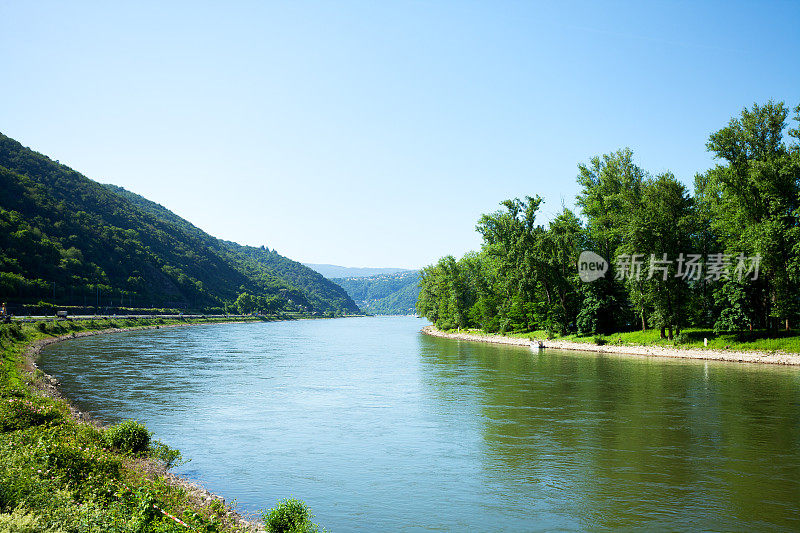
379 427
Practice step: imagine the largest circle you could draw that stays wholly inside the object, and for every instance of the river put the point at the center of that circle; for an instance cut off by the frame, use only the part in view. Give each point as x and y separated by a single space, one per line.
380 428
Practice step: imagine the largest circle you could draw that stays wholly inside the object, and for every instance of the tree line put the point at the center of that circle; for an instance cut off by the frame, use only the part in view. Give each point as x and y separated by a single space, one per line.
743 217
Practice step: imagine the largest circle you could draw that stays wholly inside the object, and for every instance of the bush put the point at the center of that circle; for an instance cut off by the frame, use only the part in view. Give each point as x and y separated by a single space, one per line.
89 470
22 413
169 456
681 338
128 436
599 340
11 331
290 516
20 520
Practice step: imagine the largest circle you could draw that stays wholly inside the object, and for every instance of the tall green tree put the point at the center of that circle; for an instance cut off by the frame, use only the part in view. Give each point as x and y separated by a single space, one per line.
754 201
611 193
445 297
510 237
661 227
558 250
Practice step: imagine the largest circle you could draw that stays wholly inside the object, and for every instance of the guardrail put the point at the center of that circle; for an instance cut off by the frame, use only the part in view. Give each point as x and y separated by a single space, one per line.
51 318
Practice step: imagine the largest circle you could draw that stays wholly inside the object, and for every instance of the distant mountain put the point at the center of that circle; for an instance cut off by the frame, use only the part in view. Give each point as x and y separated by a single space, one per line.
384 294
68 240
334 271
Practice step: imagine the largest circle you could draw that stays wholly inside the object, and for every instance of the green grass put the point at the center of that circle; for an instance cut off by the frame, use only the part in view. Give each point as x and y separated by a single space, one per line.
760 340
58 474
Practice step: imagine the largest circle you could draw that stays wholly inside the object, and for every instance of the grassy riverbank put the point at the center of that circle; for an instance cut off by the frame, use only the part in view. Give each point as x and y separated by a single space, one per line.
759 340
58 473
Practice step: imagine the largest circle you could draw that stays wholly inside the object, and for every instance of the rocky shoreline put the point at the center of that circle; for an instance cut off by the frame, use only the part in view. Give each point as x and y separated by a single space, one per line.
773 358
48 386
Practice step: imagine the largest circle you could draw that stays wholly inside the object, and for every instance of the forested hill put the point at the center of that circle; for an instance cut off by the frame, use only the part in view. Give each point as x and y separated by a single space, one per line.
322 293
67 240
384 294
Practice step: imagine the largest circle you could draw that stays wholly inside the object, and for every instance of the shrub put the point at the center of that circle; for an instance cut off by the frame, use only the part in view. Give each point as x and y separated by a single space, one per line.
20 520
128 436
681 338
290 516
83 467
599 340
169 456
11 331
21 413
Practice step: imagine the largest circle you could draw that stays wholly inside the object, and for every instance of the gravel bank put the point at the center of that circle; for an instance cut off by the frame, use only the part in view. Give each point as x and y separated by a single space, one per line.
772 358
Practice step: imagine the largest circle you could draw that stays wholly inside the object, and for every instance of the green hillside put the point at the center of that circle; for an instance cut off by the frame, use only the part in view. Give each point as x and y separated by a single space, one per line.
384 294
258 262
67 240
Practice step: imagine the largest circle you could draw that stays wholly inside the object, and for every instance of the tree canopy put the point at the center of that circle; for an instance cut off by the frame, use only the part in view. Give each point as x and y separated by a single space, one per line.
675 258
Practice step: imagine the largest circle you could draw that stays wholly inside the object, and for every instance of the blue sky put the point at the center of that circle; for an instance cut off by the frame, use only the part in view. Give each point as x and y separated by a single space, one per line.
376 133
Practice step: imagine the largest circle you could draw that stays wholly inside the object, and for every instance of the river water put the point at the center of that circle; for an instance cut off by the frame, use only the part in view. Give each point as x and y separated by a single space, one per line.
380 428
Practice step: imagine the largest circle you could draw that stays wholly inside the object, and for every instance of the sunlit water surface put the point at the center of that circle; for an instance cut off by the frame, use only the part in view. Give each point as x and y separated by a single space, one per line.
380 428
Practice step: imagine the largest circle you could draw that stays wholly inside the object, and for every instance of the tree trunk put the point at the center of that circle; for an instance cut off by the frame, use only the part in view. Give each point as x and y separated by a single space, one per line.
670 332
663 334
644 327
787 324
